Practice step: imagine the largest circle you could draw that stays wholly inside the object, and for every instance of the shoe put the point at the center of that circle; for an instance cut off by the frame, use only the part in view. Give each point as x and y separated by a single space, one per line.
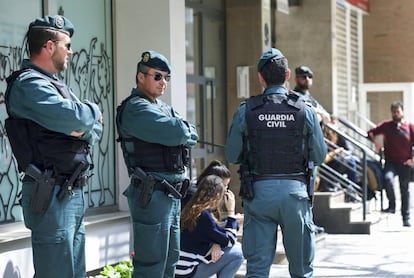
389 210
406 223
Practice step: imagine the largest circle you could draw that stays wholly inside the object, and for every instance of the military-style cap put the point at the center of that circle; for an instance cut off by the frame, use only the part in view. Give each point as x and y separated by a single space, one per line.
304 70
272 53
55 22
154 60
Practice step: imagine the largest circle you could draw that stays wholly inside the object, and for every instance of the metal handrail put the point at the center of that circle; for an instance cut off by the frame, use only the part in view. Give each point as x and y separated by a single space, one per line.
347 152
362 133
363 162
366 120
371 153
210 144
377 156
351 189
353 127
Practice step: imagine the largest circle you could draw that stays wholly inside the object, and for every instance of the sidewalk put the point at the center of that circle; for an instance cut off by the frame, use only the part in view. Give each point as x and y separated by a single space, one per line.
387 252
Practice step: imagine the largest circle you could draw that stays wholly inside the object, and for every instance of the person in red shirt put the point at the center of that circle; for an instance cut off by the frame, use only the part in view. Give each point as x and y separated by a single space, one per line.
398 141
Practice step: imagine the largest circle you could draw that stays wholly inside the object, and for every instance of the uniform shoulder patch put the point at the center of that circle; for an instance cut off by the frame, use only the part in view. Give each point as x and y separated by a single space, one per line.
295 100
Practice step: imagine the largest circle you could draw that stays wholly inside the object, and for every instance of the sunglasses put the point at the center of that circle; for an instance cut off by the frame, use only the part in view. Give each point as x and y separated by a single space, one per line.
305 76
67 45
158 76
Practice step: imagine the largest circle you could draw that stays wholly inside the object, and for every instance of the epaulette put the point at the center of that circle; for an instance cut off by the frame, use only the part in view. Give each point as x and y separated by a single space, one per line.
12 77
295 100
255 101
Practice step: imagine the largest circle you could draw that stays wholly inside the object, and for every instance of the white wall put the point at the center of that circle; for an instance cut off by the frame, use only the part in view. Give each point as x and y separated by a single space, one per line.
406 88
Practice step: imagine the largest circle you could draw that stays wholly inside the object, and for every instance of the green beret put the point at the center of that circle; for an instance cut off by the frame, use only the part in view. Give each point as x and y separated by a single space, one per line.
154 60
272 53
56 22
304 70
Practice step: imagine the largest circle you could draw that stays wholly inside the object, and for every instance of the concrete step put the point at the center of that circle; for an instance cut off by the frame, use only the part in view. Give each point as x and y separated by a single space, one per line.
324 200
339 217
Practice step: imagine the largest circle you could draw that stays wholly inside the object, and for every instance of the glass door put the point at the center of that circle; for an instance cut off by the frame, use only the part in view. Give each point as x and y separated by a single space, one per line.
206 99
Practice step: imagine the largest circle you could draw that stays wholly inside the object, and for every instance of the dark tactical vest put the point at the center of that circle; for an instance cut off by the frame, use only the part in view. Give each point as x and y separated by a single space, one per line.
32 143
275 125
151 157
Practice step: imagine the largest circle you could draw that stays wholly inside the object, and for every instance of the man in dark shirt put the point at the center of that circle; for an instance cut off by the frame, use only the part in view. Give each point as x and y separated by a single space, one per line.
398 142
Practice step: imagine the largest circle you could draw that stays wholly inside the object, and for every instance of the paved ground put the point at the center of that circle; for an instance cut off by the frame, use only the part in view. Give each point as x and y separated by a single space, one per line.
387 252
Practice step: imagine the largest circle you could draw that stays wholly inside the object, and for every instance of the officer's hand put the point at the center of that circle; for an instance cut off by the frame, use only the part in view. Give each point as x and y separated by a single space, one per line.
191 143
100 120
76 134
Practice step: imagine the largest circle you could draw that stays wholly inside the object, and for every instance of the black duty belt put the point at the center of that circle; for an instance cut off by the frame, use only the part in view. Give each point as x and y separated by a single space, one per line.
158 186
60 180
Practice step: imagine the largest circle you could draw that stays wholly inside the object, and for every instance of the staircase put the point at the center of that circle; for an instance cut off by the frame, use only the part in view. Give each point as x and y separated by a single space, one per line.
339 217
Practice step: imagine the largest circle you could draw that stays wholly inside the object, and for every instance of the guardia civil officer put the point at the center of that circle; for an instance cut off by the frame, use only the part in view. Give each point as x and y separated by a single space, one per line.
50 131
273 136
304 81
155 141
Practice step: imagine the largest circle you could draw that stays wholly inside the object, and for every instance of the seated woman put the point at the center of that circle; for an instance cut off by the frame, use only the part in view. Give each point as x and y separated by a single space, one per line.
339 158
207 248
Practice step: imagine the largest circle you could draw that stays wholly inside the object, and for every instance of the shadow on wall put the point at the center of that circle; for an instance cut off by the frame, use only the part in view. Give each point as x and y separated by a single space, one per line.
11 271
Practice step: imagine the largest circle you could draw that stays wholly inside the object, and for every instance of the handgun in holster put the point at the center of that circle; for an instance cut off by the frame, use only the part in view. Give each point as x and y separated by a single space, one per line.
246 183
67 186
42 189
310 178
147 183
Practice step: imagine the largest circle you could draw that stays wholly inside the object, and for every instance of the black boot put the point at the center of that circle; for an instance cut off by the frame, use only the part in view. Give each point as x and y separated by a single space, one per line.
389 210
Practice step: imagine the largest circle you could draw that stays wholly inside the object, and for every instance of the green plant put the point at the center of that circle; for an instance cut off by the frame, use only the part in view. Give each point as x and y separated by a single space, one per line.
120 270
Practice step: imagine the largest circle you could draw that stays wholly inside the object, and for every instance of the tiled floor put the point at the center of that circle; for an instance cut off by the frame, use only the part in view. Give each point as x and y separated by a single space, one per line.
386 252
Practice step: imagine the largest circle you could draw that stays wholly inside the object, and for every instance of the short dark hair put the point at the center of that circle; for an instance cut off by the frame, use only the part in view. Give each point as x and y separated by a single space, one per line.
141 68
38 37
396 105
274 71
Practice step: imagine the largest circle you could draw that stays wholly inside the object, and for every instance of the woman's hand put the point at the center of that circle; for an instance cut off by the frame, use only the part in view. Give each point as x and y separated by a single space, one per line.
229 202
340 151
215 252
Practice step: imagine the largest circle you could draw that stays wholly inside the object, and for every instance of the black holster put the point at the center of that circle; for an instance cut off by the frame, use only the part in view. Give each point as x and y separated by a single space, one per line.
246 186
310 181
145 184
42 188
146 188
